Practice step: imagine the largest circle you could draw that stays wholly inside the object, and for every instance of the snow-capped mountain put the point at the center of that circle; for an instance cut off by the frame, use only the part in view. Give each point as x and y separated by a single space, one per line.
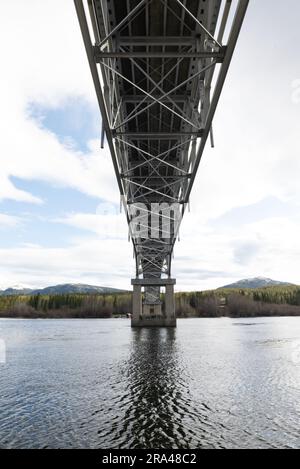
256 282
59 289
76 288
16 290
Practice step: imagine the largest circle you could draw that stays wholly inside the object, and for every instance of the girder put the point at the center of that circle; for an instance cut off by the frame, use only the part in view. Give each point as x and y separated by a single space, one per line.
153 64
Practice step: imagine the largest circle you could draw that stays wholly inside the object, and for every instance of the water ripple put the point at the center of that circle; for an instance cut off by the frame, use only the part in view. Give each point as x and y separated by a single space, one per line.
99 384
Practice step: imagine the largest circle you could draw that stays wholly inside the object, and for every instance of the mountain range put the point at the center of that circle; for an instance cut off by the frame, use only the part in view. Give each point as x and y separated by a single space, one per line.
59 290
256 282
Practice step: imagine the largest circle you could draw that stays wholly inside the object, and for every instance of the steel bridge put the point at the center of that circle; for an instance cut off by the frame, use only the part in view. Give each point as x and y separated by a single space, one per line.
158 68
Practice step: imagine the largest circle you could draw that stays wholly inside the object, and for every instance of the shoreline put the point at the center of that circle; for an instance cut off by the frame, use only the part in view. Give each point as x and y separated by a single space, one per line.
123 317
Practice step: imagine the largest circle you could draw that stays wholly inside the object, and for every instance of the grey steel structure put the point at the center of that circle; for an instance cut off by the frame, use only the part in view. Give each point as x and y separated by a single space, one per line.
158 68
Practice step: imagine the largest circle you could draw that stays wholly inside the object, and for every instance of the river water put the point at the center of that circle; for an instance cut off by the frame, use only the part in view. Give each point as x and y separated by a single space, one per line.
211 383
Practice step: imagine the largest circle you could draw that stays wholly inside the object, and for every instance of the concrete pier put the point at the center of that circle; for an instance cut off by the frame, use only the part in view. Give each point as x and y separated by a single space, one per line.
136 303
147 309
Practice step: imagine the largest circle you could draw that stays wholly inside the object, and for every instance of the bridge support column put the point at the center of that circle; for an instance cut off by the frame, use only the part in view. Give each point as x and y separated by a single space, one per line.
147 314
170 304
136 303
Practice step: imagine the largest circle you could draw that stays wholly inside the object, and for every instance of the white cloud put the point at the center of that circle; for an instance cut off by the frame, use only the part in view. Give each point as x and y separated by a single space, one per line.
92 261
43 51
256 156
208 257
45 63
107 226
9 191
9 221
37 155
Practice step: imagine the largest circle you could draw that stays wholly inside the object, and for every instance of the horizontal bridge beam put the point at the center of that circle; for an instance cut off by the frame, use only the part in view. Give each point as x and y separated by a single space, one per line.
176 176
155 281
99 55
180 98
151 198
156 40
140 172
157 135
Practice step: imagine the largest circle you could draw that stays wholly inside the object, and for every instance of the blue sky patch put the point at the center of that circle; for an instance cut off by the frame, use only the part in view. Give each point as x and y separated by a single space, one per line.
57 200
37 226
74 124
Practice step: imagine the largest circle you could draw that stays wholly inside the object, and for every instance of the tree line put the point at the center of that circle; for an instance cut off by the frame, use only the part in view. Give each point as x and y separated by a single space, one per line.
268 301
66 305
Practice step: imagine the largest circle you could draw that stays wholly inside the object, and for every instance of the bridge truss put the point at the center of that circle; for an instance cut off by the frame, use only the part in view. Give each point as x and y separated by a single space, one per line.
158 68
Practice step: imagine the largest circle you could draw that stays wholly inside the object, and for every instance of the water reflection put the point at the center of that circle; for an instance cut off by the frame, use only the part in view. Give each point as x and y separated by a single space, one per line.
100 384
155 386
159 392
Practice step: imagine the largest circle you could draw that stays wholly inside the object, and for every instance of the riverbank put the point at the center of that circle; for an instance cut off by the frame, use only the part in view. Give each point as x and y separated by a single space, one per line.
265 302
259 310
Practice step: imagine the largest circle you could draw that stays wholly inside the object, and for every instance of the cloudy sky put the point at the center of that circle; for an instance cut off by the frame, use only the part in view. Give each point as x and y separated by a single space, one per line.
59 203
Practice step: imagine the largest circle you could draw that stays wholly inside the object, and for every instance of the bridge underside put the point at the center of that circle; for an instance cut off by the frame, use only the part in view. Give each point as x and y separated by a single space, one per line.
153 64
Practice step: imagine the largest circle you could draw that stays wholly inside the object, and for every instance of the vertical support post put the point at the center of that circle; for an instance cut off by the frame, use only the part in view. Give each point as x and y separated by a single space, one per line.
136 303
170 303
149 313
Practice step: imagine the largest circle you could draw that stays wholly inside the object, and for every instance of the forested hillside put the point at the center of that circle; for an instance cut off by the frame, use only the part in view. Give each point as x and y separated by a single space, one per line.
270 301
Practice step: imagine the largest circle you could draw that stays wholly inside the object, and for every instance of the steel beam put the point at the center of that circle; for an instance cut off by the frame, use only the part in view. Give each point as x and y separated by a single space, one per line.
123 21
140 97
153 282
232 40
99 55
147 41
89 51
157 135
157 97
